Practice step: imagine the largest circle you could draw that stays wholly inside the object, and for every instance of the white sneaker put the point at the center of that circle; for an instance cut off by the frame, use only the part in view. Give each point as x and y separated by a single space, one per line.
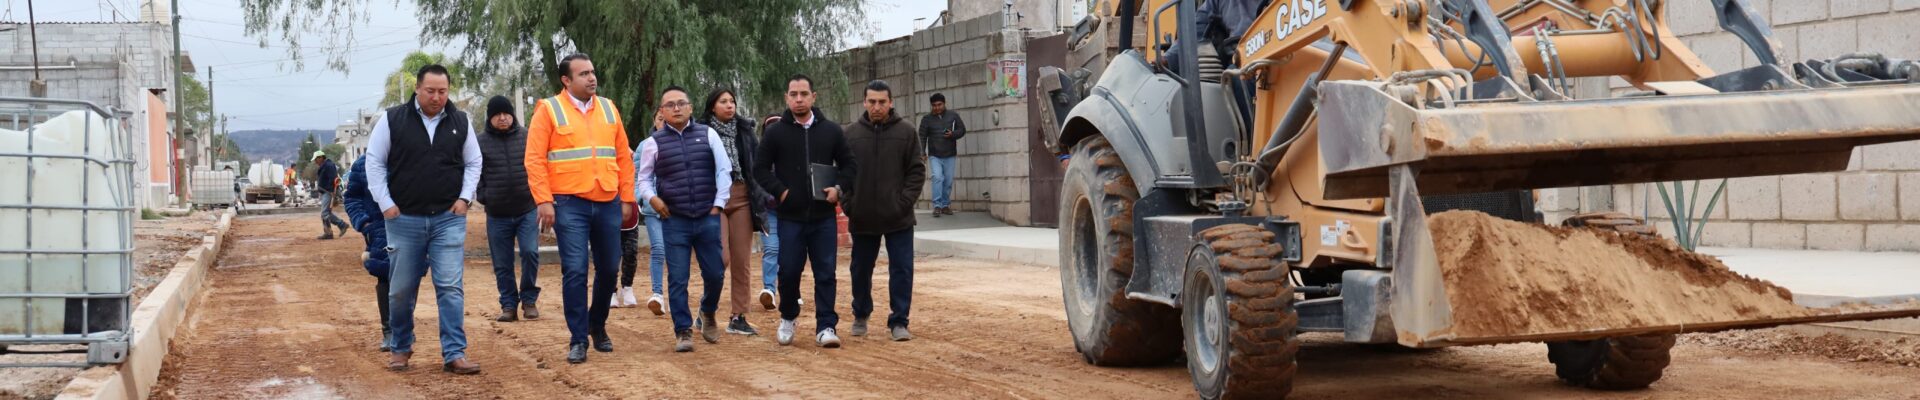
626 297
827 339
657 305
786 332
767 300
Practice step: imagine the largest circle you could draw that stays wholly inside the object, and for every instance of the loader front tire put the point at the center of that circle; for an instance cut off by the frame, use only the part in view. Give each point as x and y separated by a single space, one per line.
1096 260
1237 315
1617 363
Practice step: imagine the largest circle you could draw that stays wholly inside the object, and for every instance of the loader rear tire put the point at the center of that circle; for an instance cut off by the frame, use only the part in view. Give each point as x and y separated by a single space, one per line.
1617 363
1237 315
1097 259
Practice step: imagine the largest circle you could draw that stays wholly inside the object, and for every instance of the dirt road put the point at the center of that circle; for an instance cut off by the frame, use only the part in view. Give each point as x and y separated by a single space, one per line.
294 318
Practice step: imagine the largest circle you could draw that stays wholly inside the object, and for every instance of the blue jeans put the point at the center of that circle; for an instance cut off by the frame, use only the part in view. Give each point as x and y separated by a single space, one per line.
686 238
866 250
806 242
942 180
503 233
587 231
657 248
435 243
770 253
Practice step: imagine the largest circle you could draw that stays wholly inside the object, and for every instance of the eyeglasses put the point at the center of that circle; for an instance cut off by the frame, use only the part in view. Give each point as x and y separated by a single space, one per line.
676 104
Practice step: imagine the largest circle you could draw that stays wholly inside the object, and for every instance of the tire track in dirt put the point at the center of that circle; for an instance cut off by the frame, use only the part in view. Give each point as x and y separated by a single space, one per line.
288 316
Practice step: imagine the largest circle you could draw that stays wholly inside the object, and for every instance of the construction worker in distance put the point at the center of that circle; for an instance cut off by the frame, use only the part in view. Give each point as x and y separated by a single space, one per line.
580 170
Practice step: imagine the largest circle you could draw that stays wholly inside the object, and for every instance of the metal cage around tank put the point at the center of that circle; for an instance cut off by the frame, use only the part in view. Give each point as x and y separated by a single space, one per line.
67 211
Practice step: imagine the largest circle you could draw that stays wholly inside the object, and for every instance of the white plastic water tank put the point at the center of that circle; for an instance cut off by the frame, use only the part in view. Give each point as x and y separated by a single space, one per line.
58 183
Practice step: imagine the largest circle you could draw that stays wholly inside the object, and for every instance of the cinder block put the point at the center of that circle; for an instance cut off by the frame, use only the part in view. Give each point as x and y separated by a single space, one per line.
1755 198
1807 197
1727 234
1848 8
1796 11
1903 5
1893 237
1773 235
1844 237
1721 51
1868 197
1910 196
1901 156
1828 39
1691 17
1786 41
1893 35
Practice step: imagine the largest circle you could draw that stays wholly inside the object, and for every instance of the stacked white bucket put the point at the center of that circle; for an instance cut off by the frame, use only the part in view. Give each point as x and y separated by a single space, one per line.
61 182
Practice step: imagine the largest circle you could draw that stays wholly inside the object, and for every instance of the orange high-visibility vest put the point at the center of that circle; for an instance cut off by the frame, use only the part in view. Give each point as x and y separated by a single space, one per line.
584 155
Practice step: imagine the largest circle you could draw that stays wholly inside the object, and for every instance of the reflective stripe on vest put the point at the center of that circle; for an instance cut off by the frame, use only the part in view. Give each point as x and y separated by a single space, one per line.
581 153
559 114
606 109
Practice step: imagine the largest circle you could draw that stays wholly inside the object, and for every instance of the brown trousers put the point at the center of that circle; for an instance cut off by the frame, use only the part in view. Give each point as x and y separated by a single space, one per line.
736 245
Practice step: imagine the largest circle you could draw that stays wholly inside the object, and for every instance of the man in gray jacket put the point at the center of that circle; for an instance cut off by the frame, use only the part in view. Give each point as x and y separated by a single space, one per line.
941 131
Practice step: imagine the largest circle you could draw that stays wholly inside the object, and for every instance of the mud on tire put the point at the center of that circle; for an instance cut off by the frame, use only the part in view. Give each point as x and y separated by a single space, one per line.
1617 363
1096 259
1237 315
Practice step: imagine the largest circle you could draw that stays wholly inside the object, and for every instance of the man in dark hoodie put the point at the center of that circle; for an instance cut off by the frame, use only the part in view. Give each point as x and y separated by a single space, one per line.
510 213
792 147
881 207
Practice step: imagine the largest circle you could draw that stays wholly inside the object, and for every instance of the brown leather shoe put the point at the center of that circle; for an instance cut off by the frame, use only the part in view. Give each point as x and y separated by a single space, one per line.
398 361
529 311
461 367
507 315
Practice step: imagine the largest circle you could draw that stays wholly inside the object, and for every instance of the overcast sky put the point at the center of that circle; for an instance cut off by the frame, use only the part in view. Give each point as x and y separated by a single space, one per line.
258 89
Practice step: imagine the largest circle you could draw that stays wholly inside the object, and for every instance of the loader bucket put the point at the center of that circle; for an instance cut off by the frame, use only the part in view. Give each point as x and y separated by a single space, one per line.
1485 147
1374 145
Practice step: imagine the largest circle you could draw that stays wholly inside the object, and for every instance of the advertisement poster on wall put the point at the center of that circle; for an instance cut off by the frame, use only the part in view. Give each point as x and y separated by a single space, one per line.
1009 77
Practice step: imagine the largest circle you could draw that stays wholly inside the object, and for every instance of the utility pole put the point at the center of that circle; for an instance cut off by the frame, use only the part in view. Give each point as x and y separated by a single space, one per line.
210 136
37 88
178 107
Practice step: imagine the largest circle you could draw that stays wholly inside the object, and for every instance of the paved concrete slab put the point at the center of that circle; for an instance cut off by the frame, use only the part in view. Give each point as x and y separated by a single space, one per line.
1828 273
1035 246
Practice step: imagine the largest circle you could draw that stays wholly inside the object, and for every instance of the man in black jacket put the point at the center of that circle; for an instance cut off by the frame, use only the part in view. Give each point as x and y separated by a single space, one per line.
510 213
801 141
881 207
940 132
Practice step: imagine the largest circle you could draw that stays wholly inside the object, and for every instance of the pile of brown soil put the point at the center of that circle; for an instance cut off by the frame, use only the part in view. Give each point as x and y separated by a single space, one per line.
1512 278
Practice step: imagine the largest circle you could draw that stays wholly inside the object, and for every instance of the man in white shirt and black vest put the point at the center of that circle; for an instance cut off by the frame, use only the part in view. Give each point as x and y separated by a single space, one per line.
412 156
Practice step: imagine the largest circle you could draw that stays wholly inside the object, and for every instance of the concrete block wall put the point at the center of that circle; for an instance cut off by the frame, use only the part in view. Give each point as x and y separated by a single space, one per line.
109 64
992 167
1872 206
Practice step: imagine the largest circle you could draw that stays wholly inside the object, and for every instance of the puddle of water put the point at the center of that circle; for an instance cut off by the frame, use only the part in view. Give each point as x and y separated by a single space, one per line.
295 388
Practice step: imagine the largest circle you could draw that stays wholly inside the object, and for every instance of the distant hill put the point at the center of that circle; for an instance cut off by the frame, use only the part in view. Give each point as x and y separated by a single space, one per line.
278 145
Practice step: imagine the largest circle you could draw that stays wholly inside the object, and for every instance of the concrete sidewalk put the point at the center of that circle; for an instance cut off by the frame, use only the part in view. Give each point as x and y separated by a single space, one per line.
1815 277
978 236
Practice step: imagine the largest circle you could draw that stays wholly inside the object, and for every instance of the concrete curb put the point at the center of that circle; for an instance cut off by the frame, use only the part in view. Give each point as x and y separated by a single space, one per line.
976 251
280 211
155 321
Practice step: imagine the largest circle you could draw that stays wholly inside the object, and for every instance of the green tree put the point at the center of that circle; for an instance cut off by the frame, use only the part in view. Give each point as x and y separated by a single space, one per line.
197 105
399 86
639 47
304 157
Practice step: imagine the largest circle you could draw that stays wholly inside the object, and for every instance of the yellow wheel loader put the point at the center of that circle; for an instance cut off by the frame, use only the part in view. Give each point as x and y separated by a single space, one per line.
1242 171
